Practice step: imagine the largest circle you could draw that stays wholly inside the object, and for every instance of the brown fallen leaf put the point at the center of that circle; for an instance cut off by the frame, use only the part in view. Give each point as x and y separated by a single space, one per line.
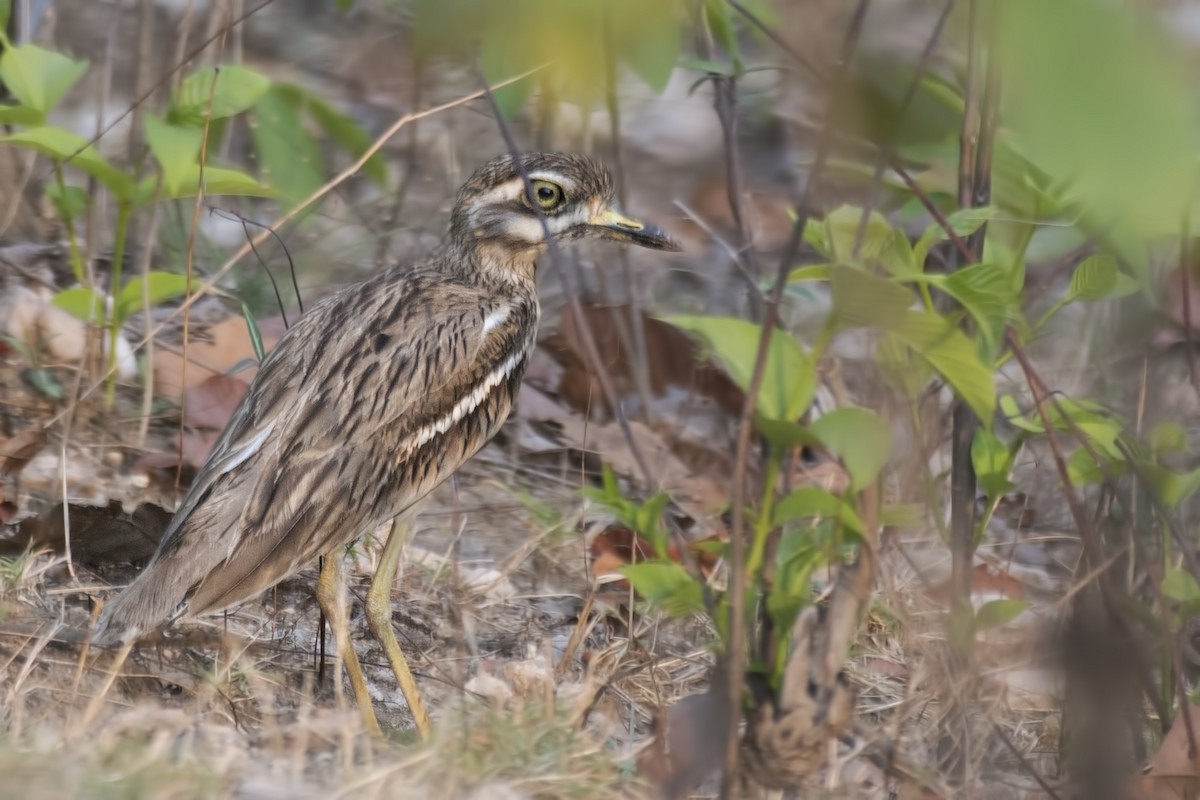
1171 774
226 345
209 404
616 546
17 452
673 361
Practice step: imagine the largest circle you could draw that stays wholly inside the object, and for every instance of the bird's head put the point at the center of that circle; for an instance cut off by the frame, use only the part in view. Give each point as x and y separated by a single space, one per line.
569 196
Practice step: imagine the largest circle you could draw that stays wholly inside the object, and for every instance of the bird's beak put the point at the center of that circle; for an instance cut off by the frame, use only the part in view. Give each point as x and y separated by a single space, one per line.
612 224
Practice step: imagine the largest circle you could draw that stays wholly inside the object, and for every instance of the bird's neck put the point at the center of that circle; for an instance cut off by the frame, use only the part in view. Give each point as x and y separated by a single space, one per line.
497 261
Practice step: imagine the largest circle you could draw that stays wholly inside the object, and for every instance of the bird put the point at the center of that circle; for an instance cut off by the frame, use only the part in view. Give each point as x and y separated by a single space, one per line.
375 396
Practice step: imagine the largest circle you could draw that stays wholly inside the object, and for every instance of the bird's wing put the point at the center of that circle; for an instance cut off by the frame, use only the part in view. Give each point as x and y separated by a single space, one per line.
362 409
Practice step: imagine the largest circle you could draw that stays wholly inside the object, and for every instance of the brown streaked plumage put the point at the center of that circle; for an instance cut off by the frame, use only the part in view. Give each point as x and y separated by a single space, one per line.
377 395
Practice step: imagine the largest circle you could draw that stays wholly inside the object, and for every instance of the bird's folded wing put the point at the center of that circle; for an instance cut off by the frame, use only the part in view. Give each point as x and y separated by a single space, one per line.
346 425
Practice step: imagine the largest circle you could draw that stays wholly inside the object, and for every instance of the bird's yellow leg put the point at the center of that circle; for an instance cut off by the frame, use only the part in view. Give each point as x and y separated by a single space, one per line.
379 616
332 599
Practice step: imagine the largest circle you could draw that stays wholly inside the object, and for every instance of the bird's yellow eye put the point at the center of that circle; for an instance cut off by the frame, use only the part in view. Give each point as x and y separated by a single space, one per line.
548 195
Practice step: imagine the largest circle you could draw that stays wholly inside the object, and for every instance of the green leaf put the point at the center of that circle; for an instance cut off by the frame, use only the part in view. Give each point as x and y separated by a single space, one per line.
985 291
44 381
37 77
288 156
998 613
954 356
256 340
789 377
1094 279
1082 469
217 181
813 272
216 92
814 237
993 462
648 38
61 145
80 302
813 501
344 132
1168 436
21 115
1181 585
902 367
5 12
841 229
863 300
963 222
860 438
499 62
70 202
718 18
161 287
1118 145
786 434
1171 487
175 148
667 586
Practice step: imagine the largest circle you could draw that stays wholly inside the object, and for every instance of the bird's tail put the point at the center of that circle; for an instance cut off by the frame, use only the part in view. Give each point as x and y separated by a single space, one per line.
156 597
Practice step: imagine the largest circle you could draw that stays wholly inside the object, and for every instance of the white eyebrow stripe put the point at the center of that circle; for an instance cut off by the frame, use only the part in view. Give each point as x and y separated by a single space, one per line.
513 188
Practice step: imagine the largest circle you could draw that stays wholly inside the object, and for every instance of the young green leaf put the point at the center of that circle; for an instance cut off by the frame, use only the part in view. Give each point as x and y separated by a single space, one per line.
860 438
954 356
719 19
1168 436
62 144
667 586
70 202
789 377
993 461
841 229
648 37
160 287
37 77
1181 585
175 148
1094 279
863 300
217 181
813 501
1170 487
998 613
985 291
1083 470
21 115
80 302
216 92
814 237
341 129
813 272
963 222
288 156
